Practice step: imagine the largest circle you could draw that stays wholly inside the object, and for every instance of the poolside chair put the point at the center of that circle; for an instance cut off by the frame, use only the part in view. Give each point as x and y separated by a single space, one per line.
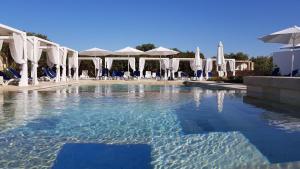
126 75
153 75
198 73
294 73
6 79
276 72
136 73
15 74
47 75
148 75
52 72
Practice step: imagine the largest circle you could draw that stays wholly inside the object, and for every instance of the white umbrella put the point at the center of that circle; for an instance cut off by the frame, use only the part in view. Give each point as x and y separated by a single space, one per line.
220 57
290 46
161 51
287 36
95 52
128 51
198 61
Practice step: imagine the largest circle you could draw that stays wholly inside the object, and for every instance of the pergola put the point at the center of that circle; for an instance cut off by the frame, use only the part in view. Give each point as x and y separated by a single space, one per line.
24 48
17 41
164 63
109 61
97 62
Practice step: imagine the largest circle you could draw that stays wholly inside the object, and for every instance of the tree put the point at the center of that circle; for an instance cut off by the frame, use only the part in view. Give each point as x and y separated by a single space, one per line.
263 65
42 36
237 56
145 47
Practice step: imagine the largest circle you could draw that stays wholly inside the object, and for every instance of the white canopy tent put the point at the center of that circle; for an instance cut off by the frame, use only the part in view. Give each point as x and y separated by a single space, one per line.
289 36
109 62
97 63
161 51
35 47
128 51
18 47
164 63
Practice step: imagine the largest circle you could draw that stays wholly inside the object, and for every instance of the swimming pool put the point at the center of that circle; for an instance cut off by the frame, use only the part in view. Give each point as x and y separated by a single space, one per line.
156 126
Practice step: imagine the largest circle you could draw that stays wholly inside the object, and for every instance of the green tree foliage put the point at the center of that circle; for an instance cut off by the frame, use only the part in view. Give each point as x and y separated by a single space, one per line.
237 56
145 47
263 65
42 36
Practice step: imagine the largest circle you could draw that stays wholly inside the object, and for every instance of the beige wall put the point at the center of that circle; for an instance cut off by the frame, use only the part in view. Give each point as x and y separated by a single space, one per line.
284 90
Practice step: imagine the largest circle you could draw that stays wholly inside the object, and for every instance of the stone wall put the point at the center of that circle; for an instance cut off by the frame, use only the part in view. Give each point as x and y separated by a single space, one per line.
278 89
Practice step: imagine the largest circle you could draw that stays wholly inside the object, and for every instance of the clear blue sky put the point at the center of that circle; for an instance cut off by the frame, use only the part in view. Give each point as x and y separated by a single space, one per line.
185 24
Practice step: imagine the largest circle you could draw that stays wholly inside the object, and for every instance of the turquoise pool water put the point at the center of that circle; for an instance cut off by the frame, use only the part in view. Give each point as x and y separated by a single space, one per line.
168 126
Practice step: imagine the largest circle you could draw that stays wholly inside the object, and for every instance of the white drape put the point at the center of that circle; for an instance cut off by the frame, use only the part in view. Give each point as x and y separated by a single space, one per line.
16 47
63 60
76 65
96 62
1 43
109 62
53 57
232 66
175 66
165 64
132 63
34 54
208 67
141 66
193 66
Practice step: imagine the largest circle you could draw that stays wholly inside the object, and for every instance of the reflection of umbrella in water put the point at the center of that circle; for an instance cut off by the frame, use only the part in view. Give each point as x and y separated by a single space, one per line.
282 121
220 100
197 96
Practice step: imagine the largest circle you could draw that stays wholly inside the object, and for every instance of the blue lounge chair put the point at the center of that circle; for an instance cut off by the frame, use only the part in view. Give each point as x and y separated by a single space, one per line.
276 72
199 73
48 75
15 74
158 74
53 73
294 73
136 73
104 72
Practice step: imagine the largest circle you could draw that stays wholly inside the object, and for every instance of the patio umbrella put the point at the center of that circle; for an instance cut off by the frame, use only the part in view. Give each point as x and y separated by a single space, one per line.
95 52
286 36
161 51
220 58
128 51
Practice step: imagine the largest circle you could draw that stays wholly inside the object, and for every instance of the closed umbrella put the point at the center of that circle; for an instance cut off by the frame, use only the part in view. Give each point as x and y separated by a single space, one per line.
286 36
161 51
198 61
220 59
128 51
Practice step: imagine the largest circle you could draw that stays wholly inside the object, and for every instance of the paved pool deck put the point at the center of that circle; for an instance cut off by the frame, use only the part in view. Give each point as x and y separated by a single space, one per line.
206 84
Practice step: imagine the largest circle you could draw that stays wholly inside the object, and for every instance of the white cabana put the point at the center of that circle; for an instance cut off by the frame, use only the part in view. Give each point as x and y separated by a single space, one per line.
129 51
164 62
161 51
97 63
221 64
109 62
35 47
17 41
287 36
73 63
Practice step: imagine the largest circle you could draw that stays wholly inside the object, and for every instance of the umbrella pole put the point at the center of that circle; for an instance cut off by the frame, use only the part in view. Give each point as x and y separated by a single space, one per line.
128 66
160 66
292 67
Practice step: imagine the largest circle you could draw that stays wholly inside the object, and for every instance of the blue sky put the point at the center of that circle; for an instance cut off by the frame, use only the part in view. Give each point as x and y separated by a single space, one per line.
185 24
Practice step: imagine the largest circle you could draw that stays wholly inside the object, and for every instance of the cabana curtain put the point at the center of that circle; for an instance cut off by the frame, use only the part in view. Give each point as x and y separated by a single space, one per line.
141 65
193 66
165 64
16 47
109 62
175 64
132 63
53 57
1 43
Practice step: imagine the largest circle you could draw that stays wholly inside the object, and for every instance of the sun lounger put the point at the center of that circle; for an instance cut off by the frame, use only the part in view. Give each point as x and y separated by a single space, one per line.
6 79
294 73
276 72
148 75
47 75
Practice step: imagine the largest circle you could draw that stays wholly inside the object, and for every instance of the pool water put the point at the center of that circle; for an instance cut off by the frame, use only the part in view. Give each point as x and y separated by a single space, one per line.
154 126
